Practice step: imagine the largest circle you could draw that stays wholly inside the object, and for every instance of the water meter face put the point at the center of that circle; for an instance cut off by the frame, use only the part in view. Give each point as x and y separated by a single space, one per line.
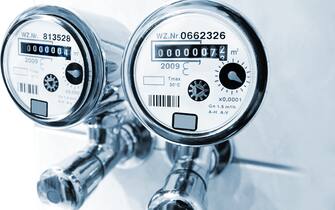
45 67
195 72
200 77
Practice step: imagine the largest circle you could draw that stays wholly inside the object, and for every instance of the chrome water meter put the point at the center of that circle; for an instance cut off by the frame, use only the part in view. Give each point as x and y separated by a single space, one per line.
195 72
59 65
62 67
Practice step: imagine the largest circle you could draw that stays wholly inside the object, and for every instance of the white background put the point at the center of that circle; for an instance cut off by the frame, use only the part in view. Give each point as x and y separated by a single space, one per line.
294 127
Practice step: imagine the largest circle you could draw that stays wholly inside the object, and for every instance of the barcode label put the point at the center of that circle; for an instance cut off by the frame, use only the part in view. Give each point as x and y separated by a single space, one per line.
27 88
164 100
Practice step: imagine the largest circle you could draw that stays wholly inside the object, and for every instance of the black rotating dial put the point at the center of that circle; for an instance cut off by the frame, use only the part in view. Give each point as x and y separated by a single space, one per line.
232 76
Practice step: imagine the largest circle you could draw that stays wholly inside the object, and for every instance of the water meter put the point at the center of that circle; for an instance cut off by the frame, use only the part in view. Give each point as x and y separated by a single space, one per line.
195 72
59 65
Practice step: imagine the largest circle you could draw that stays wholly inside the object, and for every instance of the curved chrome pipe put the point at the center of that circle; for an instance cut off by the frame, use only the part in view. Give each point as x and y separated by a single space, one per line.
186 185
115 140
